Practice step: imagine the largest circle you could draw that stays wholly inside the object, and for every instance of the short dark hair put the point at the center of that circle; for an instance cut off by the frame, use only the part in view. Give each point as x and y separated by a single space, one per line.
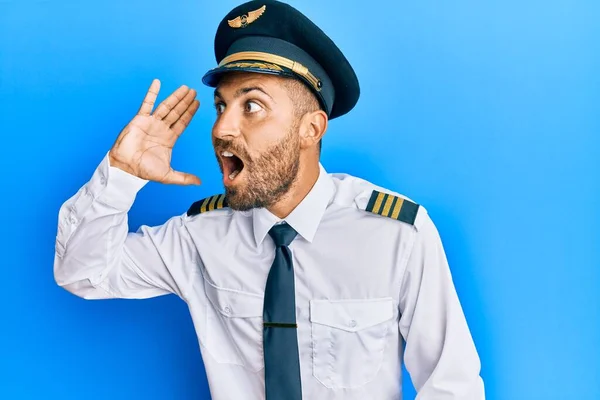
303 98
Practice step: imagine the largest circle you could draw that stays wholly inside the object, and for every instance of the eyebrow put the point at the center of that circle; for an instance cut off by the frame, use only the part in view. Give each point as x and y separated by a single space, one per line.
243 91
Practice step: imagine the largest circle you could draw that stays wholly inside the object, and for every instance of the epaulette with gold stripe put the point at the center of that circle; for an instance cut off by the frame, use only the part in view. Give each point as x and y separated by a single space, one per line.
211 203
394 207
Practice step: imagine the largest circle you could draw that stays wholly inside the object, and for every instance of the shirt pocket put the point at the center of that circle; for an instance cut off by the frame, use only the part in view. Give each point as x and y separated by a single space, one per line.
234 327
349 338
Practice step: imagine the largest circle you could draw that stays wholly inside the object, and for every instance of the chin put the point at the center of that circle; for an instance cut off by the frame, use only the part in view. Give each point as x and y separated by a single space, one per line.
239 201
238 204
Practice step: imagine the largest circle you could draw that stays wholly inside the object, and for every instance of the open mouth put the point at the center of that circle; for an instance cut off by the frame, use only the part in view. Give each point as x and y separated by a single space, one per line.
232 165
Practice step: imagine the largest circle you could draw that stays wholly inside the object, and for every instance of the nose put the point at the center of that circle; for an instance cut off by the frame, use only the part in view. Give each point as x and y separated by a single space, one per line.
227 125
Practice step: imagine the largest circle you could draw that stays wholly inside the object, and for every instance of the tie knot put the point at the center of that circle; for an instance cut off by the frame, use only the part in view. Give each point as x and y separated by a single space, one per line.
282 234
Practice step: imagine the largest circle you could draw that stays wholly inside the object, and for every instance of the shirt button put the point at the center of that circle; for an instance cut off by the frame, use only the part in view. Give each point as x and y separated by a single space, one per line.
102 180
73 219
352 323
227 310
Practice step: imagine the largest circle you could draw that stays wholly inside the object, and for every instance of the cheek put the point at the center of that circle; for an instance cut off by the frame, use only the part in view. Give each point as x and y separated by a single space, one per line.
262 136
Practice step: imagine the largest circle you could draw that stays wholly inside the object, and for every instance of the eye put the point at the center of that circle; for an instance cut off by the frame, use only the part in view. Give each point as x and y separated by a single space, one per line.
220 107
252 107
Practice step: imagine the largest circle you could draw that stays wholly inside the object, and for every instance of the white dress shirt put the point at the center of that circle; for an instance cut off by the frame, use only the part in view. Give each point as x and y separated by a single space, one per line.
365 284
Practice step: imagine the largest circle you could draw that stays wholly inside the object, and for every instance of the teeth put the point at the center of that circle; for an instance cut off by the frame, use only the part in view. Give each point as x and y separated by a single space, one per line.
234 174
227 154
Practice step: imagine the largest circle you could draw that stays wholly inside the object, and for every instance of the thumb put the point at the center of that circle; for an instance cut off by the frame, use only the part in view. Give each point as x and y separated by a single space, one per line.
181 178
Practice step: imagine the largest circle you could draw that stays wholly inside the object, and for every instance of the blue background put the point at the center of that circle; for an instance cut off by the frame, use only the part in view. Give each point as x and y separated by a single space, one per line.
487 113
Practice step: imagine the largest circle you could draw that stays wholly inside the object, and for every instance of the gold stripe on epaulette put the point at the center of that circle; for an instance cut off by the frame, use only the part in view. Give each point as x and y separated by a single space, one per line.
213 202
387 206
208 204
390 206
378 200
205 204
397 207
221 201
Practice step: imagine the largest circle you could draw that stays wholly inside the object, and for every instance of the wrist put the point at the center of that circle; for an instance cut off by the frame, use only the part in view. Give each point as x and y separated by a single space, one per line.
113 162
114 185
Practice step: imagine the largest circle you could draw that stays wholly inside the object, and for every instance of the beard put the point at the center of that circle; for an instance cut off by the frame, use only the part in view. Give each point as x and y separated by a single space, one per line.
268 176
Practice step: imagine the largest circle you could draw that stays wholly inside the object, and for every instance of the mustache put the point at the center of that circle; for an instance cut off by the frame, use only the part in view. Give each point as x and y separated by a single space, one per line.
221 145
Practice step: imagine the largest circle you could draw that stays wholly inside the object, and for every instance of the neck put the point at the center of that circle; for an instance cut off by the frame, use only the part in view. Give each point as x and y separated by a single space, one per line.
308 173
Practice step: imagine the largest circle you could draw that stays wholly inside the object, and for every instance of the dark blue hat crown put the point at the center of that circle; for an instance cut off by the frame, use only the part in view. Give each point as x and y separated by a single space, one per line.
272 37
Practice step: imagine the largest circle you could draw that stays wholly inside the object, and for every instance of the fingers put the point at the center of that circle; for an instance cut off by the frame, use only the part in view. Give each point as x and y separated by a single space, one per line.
181 178
180 108
167 105
148 103
182 123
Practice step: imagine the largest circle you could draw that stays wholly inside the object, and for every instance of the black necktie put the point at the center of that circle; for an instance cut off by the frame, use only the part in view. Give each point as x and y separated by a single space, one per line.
280 340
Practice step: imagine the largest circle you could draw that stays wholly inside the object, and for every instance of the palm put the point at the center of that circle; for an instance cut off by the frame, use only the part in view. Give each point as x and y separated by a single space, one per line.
149 145
145 145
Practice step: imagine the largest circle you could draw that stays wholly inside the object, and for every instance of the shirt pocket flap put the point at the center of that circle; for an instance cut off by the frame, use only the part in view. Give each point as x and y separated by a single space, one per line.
351 315
233 303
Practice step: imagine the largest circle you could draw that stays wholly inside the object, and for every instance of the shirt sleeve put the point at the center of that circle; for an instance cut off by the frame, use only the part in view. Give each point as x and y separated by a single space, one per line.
440 354
96 257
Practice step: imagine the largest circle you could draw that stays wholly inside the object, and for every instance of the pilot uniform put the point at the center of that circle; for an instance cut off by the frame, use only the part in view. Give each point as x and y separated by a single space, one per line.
366 269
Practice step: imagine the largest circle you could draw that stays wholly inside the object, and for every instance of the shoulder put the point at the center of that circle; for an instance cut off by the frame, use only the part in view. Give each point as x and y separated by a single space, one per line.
377 201
213 205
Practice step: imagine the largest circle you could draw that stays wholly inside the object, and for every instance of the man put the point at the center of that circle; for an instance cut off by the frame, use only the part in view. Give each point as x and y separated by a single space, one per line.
301 284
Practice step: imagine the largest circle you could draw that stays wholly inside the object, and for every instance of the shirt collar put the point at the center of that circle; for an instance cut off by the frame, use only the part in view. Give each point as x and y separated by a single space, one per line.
305 218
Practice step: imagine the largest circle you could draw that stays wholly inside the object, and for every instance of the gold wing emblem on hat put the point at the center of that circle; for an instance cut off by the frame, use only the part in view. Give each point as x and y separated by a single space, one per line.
244 20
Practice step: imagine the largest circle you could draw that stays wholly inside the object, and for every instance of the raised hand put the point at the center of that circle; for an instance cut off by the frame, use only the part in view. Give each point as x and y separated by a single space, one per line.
144 147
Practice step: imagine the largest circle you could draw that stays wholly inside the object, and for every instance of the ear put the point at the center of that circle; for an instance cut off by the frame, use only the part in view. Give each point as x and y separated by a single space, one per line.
313 126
